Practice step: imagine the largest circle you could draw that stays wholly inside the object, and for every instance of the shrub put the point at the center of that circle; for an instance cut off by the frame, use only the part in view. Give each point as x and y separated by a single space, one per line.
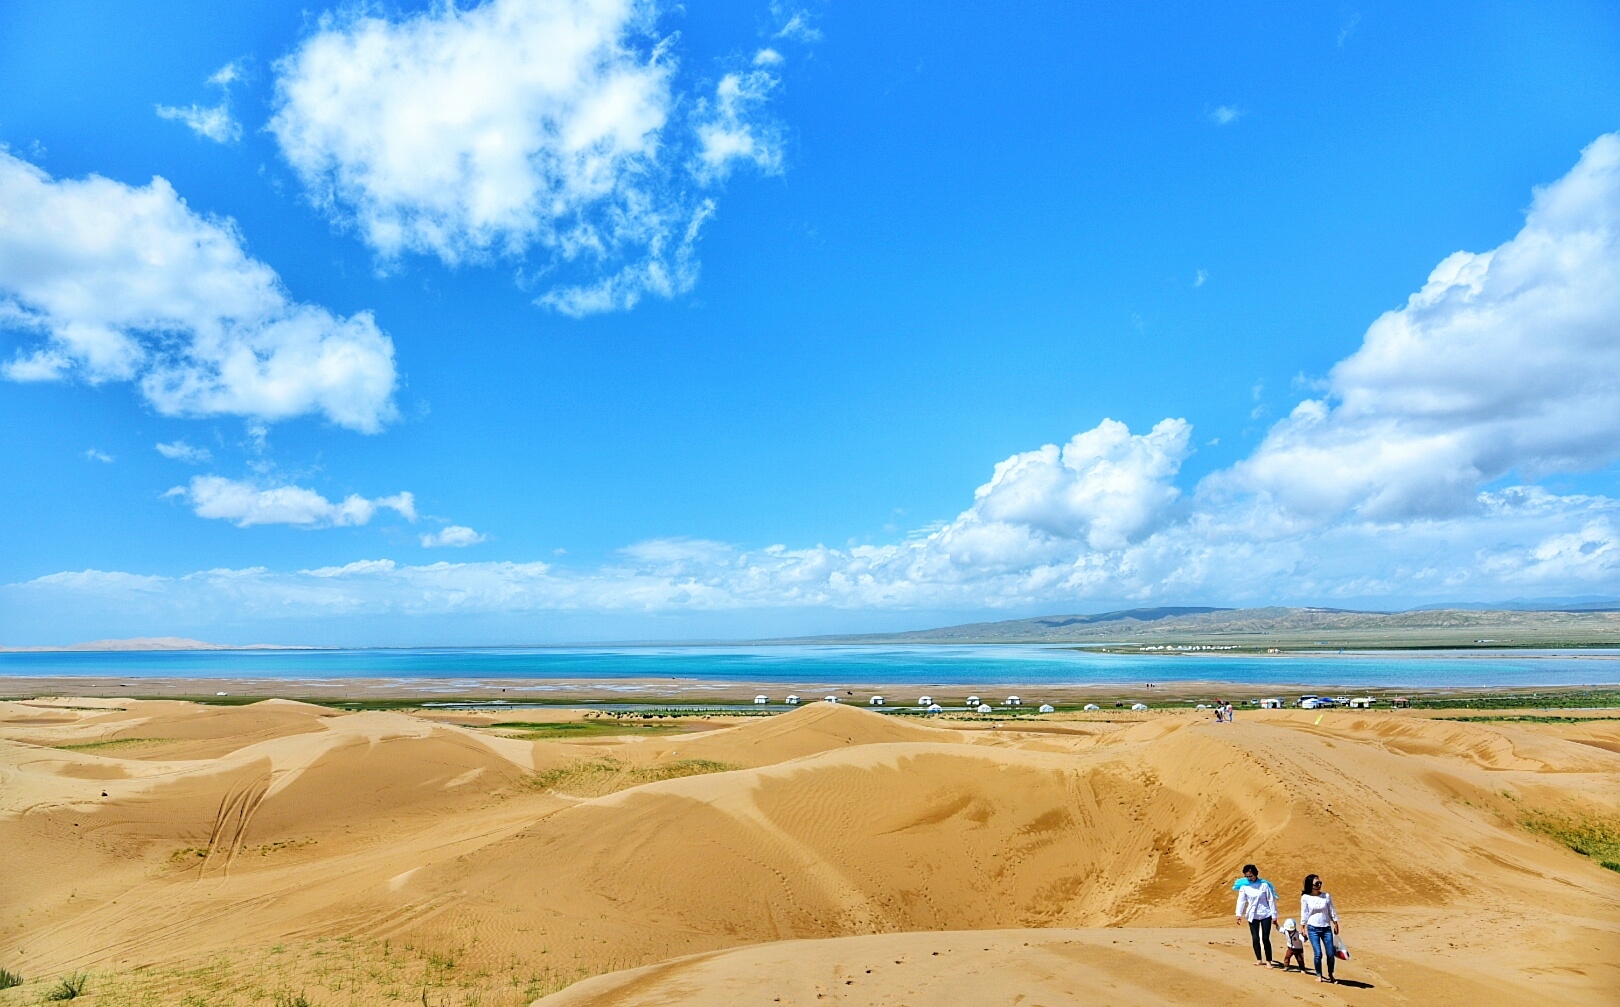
9 979
69 987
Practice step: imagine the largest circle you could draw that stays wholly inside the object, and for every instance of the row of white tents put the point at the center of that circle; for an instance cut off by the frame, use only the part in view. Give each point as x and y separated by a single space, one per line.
925 703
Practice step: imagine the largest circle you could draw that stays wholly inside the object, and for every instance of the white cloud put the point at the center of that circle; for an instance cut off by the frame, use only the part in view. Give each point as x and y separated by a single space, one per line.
129 284
212 122
795 24
96 455
1506 362
247 504
1200 278
514 125
730 131
1225 115
768 57
455 536
180 451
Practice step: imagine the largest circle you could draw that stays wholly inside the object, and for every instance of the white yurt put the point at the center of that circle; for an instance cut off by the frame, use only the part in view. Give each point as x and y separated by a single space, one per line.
1048 708
761 700
973 701
1014 701
925 700
1093 706
1138 706
792 701
830 699
935 708
985 708
875 701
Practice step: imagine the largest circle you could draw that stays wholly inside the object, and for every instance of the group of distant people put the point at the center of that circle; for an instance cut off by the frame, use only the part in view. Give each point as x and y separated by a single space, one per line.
1223 712
1318 922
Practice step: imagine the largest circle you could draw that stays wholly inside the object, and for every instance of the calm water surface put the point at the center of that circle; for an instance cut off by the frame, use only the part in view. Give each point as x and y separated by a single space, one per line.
844 664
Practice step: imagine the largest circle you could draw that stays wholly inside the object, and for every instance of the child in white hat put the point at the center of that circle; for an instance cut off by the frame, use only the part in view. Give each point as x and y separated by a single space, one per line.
1293 944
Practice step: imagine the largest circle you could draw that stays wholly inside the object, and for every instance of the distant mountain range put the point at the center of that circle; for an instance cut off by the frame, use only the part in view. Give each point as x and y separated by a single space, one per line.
1593 625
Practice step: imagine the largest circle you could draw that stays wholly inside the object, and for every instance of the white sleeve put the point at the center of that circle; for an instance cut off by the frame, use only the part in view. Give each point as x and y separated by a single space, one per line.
1333 914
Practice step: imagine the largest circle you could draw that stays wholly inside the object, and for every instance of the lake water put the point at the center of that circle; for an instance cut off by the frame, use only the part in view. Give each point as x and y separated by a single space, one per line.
834 665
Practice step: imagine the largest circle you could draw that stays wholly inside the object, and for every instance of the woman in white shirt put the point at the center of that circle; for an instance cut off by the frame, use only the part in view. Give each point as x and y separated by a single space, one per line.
1257 906
1321 921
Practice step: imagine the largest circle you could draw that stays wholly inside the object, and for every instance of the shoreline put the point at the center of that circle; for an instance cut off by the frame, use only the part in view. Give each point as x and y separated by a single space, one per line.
651 692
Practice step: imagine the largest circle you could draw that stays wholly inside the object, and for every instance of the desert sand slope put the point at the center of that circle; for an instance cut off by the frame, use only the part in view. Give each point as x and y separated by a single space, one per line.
491 862
1019 968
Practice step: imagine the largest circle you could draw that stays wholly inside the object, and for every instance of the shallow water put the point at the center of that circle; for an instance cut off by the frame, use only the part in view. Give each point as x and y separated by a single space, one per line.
893 665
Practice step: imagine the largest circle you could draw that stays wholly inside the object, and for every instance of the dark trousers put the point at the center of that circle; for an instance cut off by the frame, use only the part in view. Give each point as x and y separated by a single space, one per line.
1260 934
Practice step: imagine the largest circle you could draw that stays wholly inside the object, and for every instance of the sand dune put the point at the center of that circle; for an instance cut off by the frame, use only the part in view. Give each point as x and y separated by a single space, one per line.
784 849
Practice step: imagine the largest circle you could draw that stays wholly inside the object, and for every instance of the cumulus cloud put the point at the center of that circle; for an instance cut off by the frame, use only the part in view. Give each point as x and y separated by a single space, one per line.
247 504
120 283
514 125
180 451
1505 362
211 122
454 536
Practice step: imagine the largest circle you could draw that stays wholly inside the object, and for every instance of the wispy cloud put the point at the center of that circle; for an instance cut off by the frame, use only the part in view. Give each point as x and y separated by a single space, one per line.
180 451
96 455
212 122
1225 115
1348 29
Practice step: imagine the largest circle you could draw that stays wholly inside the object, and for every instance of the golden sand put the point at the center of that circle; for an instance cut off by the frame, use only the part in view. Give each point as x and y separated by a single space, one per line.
281 853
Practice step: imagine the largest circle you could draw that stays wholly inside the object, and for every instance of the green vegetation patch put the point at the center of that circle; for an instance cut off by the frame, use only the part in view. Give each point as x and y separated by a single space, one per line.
1559 700
1590 836
593 727
597 777
94 746
1528 719
9 979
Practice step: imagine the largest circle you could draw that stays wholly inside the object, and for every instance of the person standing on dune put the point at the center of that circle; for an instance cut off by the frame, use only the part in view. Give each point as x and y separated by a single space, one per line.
1321 919
1257 906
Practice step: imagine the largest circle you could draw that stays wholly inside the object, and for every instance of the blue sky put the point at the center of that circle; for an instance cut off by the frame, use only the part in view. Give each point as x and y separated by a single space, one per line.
625 295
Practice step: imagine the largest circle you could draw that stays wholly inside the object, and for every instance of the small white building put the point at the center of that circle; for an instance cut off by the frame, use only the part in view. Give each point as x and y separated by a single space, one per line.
985 708
1272 703
792 701
1093 706
925 700
935 708
761 700
875 701
829 699
1048 708
1362 702
973 701
1014 701
1138 706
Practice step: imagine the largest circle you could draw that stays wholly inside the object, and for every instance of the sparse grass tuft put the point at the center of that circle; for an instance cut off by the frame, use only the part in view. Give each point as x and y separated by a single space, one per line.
290 1000
96 746
69 987
607 775
9 979
1590 836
